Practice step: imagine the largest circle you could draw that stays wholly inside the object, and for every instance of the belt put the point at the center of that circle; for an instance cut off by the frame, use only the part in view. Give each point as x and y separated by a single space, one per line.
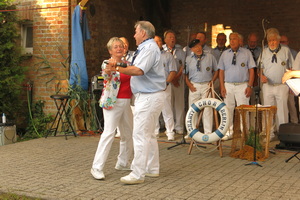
237 83
274 84
202 83
148 92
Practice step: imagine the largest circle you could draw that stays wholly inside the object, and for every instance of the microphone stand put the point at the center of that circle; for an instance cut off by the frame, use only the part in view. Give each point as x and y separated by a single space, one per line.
254 162
183 141
257 91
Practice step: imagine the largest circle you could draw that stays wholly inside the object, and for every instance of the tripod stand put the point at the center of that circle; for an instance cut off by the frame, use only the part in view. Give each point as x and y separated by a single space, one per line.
183 141
295 155
211 92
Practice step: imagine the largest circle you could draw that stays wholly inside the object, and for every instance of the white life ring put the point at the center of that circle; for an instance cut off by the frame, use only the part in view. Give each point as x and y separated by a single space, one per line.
194 133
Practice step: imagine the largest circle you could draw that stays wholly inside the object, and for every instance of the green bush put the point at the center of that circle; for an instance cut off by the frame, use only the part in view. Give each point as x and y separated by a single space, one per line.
12 74
37 126
253 140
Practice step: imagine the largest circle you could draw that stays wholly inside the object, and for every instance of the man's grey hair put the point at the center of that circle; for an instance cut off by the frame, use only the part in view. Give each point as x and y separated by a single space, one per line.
273 34
167 32
147 27
272 30
235 33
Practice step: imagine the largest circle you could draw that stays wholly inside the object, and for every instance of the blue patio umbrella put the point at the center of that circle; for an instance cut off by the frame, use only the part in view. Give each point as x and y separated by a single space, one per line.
80 33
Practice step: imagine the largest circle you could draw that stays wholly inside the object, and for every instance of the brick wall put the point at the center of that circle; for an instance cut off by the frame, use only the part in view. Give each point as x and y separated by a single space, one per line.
51 31
116 18
111 19
244 16
51 45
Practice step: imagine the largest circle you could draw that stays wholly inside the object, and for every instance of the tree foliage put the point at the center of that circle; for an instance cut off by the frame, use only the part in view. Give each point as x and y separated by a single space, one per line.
11 73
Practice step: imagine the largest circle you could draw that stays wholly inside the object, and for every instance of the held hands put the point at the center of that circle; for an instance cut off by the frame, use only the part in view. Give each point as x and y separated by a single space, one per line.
110 66
112 62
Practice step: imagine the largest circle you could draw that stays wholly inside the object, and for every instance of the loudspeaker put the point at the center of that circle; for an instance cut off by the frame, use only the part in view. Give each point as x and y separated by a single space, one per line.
97 87
97 83
7 134
289 136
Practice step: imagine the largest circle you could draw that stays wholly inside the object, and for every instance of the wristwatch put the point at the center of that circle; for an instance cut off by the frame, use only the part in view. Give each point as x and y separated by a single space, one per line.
250 86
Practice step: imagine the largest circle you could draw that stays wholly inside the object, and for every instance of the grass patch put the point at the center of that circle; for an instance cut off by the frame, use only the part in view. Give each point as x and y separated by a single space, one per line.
11 196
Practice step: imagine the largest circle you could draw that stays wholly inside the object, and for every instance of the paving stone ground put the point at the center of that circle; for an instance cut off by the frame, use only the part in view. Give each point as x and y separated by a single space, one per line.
55 168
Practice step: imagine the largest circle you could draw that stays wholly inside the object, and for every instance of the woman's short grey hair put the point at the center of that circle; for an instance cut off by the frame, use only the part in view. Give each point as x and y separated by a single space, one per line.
112 40
147 27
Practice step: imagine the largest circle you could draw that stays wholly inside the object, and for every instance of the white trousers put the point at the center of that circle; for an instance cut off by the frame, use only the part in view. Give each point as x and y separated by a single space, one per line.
201 93
235 96
167 112
178 105
146 114
277 96
120 115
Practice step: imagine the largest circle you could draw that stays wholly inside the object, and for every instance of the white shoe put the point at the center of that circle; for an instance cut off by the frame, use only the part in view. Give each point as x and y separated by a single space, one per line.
170 136
187 136
227 136
97 174
119 167
131 180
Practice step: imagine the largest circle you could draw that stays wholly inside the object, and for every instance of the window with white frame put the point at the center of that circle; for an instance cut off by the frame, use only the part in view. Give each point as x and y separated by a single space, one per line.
27 38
